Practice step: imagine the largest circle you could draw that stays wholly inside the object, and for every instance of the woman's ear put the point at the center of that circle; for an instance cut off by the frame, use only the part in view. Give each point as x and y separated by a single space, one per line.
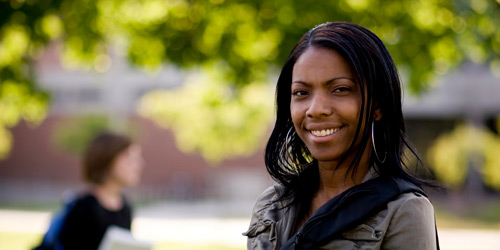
377 113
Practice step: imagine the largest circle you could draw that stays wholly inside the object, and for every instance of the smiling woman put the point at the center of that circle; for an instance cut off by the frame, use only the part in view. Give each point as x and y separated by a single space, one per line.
339 95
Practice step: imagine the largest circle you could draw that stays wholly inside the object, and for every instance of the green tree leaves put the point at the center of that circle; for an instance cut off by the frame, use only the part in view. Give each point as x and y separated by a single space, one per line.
242 42
212 118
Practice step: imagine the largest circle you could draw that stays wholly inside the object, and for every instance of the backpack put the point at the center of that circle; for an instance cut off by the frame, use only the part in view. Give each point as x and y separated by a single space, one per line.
50 240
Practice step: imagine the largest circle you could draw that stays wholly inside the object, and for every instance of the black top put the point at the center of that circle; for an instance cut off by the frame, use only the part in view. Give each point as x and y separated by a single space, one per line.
87 222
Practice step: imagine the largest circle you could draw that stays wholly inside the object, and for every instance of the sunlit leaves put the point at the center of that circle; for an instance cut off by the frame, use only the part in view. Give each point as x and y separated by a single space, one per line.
139 12
212 118
257 47
73 135
452 153
13 45
242 42
246 34
448 156
359 5
23 31
147 52
82 54
445 55
479 6
84 39
51 26
491 169
18 102
5 142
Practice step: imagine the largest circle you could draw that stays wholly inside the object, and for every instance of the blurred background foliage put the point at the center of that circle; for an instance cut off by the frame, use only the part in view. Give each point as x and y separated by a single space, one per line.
235 46
452 154
227 123
74 134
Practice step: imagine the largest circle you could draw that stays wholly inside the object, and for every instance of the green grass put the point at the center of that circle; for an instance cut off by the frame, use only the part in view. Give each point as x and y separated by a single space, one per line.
25 241
484 216
19 241
32 206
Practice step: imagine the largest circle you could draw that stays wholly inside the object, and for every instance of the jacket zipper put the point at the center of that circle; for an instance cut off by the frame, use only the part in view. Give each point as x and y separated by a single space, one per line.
297 239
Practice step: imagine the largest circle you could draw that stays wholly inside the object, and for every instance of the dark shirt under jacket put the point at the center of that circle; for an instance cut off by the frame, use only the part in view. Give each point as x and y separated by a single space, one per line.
88 220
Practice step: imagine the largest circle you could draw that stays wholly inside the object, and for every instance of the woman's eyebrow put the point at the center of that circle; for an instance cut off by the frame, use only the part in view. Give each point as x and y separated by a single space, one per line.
301 82
328 82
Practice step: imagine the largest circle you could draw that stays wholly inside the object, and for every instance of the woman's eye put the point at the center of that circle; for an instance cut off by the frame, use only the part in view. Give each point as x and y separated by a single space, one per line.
299 93
341 89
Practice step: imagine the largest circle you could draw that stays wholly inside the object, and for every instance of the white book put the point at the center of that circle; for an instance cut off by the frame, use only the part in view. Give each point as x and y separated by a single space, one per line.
117 238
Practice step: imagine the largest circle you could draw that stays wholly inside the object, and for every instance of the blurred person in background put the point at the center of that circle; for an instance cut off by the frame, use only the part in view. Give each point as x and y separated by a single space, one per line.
111 163
336 151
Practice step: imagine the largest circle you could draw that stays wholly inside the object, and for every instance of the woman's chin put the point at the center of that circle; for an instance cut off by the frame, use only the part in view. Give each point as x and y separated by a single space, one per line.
326 157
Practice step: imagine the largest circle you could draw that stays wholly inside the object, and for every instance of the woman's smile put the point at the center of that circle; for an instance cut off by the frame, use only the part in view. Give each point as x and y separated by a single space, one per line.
324 132
323 135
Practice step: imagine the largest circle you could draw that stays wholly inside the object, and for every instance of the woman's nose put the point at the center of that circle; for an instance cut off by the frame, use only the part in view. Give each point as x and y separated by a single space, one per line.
319 107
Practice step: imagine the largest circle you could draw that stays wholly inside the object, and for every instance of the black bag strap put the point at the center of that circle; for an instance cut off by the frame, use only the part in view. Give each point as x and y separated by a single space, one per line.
348 210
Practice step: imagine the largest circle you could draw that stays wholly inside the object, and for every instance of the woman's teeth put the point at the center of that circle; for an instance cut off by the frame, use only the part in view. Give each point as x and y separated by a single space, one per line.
324 132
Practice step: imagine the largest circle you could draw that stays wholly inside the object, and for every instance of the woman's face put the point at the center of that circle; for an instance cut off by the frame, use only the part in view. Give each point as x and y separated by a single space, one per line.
127 167
325 103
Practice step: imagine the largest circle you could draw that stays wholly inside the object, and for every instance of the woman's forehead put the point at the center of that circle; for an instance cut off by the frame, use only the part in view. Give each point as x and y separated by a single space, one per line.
321 64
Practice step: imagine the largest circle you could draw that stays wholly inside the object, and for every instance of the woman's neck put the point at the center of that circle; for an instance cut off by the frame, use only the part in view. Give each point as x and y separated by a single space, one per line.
334 179
109 195
333 182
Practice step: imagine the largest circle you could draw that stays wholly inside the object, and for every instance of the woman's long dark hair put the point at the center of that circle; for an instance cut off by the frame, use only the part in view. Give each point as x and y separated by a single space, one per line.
287 158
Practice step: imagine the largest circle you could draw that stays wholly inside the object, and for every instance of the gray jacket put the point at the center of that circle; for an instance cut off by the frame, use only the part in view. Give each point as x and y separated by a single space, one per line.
406 223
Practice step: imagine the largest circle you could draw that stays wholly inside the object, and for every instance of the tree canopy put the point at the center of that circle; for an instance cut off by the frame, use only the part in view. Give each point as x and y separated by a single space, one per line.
236 43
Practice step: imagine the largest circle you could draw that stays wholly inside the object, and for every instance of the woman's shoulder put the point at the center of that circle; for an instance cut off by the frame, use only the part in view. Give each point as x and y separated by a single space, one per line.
81 202
270 193
412 202
408 211
269 205
270 219
85 199
411 223
411 212
406 223
267 199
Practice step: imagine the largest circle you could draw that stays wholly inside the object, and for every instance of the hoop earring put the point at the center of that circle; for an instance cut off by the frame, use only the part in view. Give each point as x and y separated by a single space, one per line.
287 138
290 156
287 142
375 148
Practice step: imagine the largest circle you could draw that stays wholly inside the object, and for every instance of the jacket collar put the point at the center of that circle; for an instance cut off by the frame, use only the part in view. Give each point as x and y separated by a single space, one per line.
285 226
